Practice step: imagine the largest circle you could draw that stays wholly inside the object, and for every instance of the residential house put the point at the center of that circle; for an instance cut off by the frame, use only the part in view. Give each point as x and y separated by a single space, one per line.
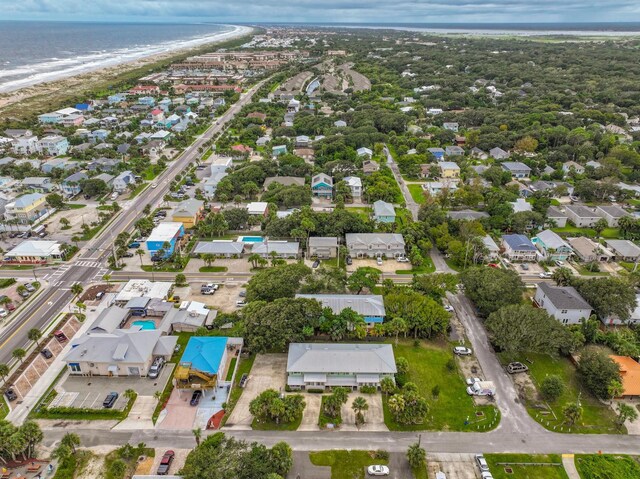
581 216
322 247
210 185
34 252
303 141
520 205
449 169
454 151
26 145
256 115
438 153
384 212
122 352
26 208
40 184
369 306
478 153
436 187
50 165
263 140
340 124
137 288
593 164
322 186
307 154
355 185
98 136
363 151
492 247
70 186
498 153
54 145
467 215
123 180
451 126
220 248
375 245
188 212
630 376
624 250
106 177
370 166
558 217
258 208
516 169
279 150
103 164
327 365
518 247
563 303
611 214
589 251
279 249
552 246
166 232
573 166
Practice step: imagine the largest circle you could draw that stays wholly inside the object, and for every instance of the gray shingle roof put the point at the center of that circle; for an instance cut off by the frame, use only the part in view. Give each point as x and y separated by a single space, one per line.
219 247
364 304
564 297
341 358
330 241
382 208
519 242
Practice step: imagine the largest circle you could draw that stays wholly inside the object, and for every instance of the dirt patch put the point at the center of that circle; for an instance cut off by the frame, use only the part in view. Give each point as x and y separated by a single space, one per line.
224 300
145 466
94 468
525 387
459 466
76 218
91 293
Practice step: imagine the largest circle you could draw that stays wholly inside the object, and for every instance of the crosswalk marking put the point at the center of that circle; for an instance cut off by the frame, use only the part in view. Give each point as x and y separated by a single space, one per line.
89 264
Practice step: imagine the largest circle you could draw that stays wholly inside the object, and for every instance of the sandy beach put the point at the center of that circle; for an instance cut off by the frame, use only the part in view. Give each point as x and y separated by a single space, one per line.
75 83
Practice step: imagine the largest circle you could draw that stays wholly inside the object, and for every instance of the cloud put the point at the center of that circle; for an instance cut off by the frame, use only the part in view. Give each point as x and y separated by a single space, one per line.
338 11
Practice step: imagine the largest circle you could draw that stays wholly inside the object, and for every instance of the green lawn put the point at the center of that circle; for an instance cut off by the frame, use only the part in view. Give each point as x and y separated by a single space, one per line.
596 417
73 206
213 269
452 265
607 466
363 212
232 367
585 272
6 282
427 267
428 368
4 408
244 367
417 193
164 268
609 233
523 471
272 426
137 190
346 464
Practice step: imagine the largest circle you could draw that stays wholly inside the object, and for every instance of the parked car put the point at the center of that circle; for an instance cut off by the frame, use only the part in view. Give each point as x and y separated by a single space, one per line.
154 185
99 295
525 266
448 308
378 470
315 264
195 397
379 261
29 287
559 263
242 293
481 388
60 336
165 463
472 381
494 265
482 463
46 353
156 368
10 307
133 245
516 367
114 195
349 260
209 286
243 380
3 313
545 275
128 254
25 294
240 303
486 475
462 351
110 400
402 259
10 394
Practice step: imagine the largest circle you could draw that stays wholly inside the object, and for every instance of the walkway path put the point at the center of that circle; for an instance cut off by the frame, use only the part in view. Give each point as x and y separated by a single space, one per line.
568 461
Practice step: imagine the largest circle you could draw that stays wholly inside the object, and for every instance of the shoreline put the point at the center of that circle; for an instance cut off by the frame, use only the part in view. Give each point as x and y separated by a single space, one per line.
117 58
82 82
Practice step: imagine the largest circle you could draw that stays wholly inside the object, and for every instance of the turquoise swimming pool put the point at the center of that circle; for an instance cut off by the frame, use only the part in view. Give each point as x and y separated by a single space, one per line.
250 239
144 325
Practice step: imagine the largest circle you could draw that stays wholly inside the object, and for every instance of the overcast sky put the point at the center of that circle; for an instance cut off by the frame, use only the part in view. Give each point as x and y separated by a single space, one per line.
338 11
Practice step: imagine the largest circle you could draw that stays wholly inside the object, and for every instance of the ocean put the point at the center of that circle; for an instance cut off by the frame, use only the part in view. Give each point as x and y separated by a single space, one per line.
35 52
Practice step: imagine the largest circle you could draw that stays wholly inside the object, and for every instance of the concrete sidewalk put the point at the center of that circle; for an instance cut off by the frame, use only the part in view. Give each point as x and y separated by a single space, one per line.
19 414
570 466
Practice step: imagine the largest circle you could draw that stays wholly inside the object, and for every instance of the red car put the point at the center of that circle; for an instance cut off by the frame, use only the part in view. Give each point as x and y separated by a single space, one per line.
10 307
493 265
165 463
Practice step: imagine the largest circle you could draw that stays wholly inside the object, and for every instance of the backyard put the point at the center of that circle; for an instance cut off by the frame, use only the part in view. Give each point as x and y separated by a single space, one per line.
432 364
417 193
523 466
347 464
596 417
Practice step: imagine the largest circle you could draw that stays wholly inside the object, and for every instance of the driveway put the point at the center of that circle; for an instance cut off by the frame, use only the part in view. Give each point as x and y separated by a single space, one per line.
268 372
303 468
178 413
514 415
455 466
311 412
374 416
140 416
389 265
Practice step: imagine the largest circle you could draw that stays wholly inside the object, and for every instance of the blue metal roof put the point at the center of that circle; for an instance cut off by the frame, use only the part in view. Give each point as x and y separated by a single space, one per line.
205 353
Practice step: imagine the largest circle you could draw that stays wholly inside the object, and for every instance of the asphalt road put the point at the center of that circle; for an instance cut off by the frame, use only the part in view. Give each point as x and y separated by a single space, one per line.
43 309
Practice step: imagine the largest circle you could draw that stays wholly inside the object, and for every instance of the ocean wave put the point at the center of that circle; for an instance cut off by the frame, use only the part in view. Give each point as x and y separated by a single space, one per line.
55 69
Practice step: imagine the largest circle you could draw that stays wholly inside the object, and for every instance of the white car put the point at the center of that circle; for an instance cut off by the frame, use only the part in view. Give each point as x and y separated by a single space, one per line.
449 308
559 263
241 303
379 261
3 313
402 259
114 195
378 470
471 381
545 275
462 351
154 185
482 463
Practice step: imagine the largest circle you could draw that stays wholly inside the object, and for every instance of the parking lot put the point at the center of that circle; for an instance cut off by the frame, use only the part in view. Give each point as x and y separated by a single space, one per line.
455 466
268 372
388 265
224 300
89 392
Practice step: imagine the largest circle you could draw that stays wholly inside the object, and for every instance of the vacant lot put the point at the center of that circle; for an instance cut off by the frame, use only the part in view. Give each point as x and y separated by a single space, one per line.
523 466
596 417
429 366
346 464
607 466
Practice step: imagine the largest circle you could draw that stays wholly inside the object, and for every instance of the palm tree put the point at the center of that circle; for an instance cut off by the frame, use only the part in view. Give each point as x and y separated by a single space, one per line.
359 405
254 259
65 223
208 258
141 254
107 278
416 456
71 440
4 371
19 354
77 289
130 394
75 239
5 300
572 413
197 434
35 335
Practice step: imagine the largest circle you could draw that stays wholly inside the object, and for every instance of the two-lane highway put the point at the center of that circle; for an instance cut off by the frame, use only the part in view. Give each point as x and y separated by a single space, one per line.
84 269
